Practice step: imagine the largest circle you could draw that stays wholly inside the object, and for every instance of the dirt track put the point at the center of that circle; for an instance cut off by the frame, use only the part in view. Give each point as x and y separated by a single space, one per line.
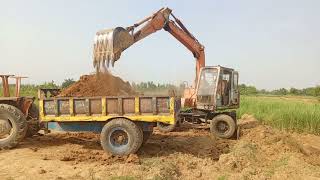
261 153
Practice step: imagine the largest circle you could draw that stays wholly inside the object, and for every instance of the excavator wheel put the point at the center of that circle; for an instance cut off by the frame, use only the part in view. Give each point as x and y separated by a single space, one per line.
13 126
223 126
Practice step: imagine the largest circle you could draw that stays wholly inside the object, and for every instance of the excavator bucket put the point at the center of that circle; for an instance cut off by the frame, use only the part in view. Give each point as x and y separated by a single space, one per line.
108 46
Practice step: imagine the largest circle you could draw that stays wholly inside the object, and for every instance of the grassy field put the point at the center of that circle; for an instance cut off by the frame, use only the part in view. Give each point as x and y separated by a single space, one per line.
301 114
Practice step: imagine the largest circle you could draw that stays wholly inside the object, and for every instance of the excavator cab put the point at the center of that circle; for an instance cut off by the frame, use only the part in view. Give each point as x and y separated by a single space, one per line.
217 89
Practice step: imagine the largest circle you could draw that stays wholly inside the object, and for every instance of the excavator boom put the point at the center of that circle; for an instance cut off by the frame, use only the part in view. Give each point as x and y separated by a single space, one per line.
110 43
190 42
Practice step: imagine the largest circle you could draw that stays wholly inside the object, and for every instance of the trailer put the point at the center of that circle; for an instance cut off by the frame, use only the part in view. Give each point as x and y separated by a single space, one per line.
124 122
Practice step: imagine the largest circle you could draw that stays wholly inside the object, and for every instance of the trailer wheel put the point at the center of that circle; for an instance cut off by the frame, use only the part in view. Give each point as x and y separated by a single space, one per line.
146 136
33 121
166 127
223 126
121 137
13 126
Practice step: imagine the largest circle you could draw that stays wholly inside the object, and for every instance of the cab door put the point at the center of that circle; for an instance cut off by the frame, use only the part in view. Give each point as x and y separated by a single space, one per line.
235 94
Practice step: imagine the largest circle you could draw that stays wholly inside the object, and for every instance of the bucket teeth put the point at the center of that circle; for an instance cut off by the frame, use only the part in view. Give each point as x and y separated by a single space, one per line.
112 63
108 45
108 62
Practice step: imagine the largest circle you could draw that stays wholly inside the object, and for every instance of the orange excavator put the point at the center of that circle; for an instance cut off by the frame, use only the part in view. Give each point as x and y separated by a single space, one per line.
215 92
109 44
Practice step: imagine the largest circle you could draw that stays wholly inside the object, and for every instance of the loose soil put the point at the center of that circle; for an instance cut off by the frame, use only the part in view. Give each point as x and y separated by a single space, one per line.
261 153
103 84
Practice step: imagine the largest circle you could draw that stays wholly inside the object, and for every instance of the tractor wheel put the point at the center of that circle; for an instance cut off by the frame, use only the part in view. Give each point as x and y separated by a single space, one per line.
166 127
223 126
121 137
33 121
146 136
13 126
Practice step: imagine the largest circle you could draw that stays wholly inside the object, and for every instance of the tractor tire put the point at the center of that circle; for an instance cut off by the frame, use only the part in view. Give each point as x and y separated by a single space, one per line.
223 126
146 136
121 137
17 123
166 127
33 121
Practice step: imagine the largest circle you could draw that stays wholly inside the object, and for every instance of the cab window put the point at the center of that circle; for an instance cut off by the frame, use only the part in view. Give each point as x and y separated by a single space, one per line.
235 81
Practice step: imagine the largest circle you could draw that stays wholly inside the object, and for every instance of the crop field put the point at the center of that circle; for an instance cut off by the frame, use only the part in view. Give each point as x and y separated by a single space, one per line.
293 113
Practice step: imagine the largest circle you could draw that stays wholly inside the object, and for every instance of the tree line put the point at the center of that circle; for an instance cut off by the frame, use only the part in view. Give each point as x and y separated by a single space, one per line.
151 86
251 90
244 89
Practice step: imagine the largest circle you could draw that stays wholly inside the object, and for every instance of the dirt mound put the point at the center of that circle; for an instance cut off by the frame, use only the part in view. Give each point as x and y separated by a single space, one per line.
261 152
104 84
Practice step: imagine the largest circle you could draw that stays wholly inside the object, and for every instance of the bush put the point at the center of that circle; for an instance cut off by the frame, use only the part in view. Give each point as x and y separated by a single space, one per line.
48 85
247 90
67 82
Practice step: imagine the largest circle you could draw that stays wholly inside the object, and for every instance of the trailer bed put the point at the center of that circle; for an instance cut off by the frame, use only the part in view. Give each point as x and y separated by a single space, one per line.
86 109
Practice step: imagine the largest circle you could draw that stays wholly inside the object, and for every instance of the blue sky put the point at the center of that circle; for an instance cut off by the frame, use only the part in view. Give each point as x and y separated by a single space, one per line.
272 43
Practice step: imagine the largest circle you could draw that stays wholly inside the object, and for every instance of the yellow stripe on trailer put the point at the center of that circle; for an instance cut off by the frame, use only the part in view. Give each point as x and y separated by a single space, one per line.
146 118
41 108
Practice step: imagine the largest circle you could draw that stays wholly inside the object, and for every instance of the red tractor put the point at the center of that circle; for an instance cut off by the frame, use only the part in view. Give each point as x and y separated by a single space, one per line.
18 115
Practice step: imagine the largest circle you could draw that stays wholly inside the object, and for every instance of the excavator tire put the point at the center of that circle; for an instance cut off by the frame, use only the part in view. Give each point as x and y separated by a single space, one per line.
223 126
33 121
15 119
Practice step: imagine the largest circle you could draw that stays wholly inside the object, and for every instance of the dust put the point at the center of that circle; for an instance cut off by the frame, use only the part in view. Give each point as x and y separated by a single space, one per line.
102 84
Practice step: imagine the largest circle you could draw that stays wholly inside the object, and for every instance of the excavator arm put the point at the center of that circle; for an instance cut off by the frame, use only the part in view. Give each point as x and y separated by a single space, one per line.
190 42
109 44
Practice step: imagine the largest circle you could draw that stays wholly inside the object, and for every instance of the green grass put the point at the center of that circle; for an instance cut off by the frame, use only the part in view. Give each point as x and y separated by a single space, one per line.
25 90
291 113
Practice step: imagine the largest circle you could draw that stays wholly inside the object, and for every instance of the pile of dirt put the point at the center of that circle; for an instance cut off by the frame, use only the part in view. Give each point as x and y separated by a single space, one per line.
103 84
263 152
